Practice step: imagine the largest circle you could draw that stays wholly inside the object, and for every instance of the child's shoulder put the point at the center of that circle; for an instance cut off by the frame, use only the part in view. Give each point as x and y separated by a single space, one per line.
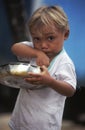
28 43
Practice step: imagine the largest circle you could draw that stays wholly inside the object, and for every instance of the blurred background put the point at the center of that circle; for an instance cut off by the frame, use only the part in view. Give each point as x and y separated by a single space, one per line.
13 17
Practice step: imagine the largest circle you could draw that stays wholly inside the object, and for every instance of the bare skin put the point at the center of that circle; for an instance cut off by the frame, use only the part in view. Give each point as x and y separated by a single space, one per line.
25 51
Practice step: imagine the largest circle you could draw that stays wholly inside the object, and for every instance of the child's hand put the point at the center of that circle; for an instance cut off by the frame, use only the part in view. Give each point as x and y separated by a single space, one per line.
42 59
39 79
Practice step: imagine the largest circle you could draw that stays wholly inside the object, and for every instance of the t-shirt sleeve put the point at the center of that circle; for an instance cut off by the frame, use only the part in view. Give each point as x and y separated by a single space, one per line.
27 43
66 72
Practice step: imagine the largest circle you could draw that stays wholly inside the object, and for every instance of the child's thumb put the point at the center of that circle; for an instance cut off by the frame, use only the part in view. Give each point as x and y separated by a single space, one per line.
43 68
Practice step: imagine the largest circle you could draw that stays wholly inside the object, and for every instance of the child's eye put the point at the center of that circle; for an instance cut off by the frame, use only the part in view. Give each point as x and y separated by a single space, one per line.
50 38
36 39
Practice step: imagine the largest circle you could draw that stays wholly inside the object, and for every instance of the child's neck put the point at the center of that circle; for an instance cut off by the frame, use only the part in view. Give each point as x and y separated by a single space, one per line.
51 58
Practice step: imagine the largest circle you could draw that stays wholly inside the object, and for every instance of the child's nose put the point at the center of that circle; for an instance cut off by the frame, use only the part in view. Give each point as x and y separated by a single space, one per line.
43 45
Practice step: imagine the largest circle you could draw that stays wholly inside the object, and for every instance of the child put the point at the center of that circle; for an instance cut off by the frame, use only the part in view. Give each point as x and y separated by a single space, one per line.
42 108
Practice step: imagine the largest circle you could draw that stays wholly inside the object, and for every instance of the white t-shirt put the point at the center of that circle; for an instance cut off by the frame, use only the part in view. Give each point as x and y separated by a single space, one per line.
42 109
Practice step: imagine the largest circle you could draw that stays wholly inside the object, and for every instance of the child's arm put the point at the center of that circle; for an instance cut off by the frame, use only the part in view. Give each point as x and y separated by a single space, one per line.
45 79
23 50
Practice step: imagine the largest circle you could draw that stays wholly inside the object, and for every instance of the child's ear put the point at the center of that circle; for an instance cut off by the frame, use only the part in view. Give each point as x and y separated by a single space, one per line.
66 34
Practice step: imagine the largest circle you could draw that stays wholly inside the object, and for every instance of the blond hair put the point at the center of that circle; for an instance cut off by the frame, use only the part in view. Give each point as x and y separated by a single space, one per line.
48 16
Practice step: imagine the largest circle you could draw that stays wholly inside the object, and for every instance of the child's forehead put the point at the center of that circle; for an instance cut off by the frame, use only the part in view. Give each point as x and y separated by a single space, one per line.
44 29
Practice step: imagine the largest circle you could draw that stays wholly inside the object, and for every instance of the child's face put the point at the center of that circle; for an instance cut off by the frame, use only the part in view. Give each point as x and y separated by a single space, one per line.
48 39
